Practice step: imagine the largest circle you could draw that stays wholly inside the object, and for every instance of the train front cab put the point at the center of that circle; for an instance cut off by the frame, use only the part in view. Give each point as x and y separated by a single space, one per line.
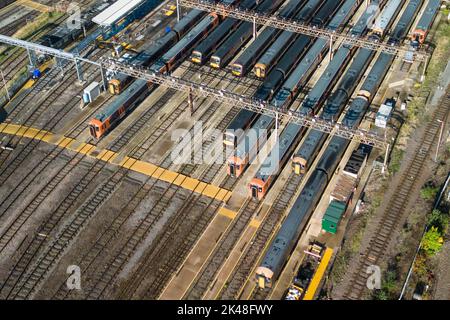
260 70
237 70
236 166
216 62
264 277
258 188
299 165
97 129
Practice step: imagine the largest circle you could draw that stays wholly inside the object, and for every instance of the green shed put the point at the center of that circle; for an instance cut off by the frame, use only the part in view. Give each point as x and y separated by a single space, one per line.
333 216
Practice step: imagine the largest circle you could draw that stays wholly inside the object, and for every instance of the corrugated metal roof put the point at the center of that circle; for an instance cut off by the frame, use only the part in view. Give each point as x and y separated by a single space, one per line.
115 12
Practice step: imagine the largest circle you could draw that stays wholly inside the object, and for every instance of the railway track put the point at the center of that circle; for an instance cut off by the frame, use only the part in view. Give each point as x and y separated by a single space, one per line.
30 119
395 209
241 273
222 250
167 196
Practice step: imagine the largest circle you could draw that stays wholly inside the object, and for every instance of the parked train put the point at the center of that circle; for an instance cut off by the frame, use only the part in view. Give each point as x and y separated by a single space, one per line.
63 35
426 21
246 61
384 21
261 183
245 118
283 42
255 139
314 140
174 56
284 241
139 89
207 47
229 48
157 49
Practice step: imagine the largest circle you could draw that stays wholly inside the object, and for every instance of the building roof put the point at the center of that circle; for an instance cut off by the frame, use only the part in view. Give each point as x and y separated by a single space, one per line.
115 12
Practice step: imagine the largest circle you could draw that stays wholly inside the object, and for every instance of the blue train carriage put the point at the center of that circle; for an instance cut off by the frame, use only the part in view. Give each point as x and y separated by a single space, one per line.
271 57
267 173
301 74
289 233
425 23
249 146
172 58
209 45
281 247
246 61
231 46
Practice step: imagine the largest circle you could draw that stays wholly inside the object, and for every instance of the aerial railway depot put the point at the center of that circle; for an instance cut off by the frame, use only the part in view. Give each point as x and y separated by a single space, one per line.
206 149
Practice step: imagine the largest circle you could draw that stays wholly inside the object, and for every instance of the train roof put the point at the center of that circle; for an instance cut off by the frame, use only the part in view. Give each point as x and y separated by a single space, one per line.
325 12
343 14
291 8
428 16
407 18
186 22
308 10
263 123
385 18
115 12
120 100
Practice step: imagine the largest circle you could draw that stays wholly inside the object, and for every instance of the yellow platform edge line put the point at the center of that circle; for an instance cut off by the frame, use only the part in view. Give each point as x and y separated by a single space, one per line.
227 213
317 278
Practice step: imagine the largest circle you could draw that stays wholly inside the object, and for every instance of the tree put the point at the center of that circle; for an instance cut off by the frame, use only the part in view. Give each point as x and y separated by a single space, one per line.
439 220
432 241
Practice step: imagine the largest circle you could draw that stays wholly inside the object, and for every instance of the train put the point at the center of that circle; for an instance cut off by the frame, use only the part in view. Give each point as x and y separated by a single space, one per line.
174 56
301 74
136 92
156 50
244 119
238 162
261 183
240 37
246 61
207 47
425 22
63 35
285 239
271 57
308 151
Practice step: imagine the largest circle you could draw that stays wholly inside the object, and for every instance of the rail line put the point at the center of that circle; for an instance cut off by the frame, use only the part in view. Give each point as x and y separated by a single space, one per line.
395 210
167 197
221 252
26 101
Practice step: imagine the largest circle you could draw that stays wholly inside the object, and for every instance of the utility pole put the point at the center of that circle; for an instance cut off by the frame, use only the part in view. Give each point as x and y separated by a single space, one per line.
440 138
178 11
4 84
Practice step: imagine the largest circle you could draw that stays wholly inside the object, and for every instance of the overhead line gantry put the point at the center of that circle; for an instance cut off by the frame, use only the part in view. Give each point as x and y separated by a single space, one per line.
223 96
293 26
